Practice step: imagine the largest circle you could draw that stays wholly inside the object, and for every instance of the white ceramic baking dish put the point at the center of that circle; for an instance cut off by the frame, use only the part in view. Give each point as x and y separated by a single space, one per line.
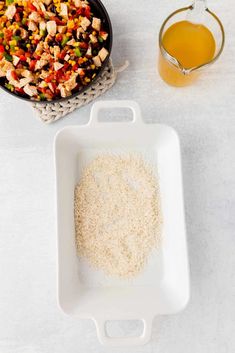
163 287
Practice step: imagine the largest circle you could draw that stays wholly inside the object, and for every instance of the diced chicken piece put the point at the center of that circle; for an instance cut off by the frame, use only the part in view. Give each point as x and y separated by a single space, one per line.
64 93
61 29
71 42
93 38
46 46
40 63
36 4
71 83
97 61
89 51
9 77
39 48
58 66
23 33
23 81
63 10
67 57
43 74
43 84
26 73
37 37
47 2
103 35
51 87
51 28
50 14
85 23
56 51
34 16
96 23
2 72
42 25
30 90
46 56
81 72
16 59
32 26
42 7
4 66
103 53
77 3
10 12
79 32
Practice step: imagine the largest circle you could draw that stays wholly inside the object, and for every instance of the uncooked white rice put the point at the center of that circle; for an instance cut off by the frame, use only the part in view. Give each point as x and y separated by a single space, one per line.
117 214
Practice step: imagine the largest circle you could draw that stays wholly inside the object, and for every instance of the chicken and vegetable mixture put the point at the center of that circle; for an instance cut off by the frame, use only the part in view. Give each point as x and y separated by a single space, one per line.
49 48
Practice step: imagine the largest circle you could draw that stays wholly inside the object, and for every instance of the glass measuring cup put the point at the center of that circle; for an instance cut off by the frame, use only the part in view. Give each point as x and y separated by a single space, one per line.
170 69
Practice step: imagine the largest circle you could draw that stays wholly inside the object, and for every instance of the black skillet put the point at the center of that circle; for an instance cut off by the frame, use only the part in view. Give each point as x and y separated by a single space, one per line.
99 11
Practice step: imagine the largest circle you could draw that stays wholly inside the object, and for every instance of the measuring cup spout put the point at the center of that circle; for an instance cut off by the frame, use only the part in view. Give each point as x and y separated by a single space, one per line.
197 11
200 4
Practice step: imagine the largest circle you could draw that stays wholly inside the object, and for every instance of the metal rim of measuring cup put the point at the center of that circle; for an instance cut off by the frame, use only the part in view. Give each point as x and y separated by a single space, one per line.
174 61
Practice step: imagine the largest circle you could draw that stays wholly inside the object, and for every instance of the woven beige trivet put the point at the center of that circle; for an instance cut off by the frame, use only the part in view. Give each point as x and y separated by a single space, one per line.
49 113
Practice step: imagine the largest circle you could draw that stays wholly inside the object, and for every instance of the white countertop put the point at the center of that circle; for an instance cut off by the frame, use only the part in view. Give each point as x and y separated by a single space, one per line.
204 116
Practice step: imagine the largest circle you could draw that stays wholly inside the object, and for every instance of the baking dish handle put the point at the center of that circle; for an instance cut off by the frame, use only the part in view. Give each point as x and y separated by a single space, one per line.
115 104
123 341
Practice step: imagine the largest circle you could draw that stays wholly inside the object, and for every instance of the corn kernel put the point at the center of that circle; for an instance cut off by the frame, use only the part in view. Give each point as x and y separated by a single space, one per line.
70 24
13 42
28 45
17 48
93 67
87 79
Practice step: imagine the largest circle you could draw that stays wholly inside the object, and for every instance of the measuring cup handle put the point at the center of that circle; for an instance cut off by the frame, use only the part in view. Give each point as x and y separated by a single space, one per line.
123 341
115 104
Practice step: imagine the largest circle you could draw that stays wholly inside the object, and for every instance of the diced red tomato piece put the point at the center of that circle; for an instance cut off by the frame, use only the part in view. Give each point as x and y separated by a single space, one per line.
40 13
23 58
19 90
32 65
75 67
79 11
32 7
62 54
36 56
17 17
87 12
49 78
54 86
83 45
2 48
58 21
14 75
8 34
19 52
